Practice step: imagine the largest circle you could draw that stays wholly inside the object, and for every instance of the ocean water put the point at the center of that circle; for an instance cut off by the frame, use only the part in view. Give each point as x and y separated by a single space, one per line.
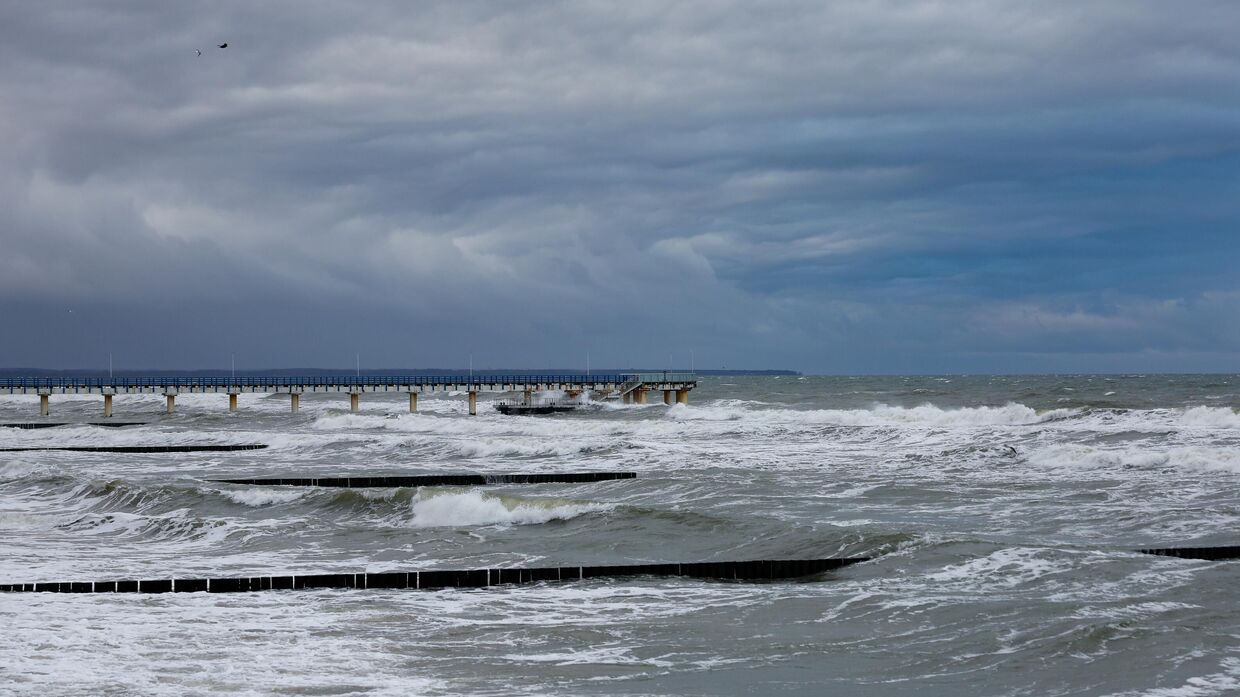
1002 513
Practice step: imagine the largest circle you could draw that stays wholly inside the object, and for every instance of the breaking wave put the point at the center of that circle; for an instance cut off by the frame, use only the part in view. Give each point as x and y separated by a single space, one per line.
432 509
263 497
1210 417
1011 414
1084 457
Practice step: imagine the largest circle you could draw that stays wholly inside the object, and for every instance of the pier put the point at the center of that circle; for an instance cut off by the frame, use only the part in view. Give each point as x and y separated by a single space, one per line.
631 388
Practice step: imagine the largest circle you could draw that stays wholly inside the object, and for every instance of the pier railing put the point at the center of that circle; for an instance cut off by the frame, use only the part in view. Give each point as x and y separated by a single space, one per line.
662 376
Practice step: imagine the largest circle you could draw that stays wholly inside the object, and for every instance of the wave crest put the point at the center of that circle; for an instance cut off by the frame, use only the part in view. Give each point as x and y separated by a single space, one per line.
433 509
1010 414
1210 417
263 497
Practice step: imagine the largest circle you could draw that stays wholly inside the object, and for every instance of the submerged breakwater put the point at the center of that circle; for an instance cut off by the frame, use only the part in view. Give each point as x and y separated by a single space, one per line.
1004 516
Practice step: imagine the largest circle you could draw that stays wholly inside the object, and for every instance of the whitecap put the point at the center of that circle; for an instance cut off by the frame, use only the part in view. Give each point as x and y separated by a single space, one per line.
451 508
263 497
1210 417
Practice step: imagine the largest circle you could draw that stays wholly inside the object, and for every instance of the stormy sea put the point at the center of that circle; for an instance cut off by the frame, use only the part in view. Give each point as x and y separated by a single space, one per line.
1003 515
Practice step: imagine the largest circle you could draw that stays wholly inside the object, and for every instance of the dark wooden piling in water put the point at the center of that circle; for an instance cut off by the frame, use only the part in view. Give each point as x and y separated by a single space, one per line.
436 480
752 571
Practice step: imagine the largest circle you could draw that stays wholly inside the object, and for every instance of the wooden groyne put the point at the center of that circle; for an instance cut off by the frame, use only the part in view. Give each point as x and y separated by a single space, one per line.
752 571
437 480
140 448
1207 553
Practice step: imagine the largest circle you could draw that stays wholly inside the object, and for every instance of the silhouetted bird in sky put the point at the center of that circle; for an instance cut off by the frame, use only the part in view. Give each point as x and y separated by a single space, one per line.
224 45
198 52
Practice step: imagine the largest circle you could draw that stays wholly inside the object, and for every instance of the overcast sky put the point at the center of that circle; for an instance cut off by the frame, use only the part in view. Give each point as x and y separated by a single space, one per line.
852 187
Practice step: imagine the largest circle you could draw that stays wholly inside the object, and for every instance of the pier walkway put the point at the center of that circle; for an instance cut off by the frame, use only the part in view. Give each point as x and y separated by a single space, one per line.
630 387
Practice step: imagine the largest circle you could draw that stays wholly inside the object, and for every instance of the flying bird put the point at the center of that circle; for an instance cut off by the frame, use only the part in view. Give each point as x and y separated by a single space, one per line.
199 52
224 45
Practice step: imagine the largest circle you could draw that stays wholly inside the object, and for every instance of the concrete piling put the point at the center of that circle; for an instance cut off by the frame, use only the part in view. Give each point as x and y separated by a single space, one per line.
682 396
669 397
413 402
44 408
473 403
294 401
172 402
355 399
232 401
107 405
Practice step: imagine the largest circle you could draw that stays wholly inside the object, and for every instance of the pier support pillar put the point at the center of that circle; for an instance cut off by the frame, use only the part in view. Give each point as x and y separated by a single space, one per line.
355 399
627 398
172 402
232 401
639 395
294 400
107 405
44 408
529 396
413 402
669 397
473 403
682 396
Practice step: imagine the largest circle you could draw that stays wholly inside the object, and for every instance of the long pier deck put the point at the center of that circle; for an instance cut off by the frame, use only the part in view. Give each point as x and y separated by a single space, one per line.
631 387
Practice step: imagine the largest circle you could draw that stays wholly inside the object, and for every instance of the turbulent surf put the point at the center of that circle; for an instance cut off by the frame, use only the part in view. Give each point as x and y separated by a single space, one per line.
1004 515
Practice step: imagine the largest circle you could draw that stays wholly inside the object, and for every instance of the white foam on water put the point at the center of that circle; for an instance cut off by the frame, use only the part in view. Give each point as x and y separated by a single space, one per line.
437 508
1224 682
351 422
509 447
180 525
1004 568
94 436
17 469
263 496
1199 419
1010 414
196 644
1073 456
1210 417
1129 612
25 520
600 603
614 654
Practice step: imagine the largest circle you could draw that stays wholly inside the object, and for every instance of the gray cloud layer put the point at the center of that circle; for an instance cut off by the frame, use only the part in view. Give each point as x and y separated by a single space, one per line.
852 187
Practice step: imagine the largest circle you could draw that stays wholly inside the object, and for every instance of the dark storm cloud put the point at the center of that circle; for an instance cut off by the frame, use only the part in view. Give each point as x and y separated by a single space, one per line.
841 187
